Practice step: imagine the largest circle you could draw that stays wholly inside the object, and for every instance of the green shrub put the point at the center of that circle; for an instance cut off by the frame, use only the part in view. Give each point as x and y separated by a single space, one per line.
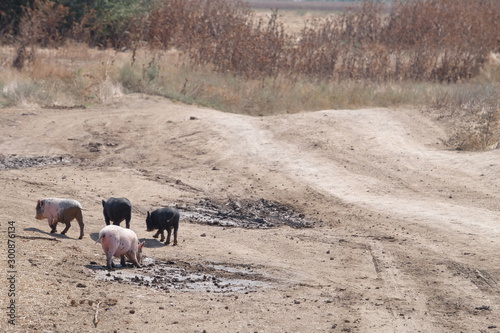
130 78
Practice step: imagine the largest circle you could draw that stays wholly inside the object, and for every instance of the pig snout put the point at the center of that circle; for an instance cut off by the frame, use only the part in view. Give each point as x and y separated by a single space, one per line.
39 211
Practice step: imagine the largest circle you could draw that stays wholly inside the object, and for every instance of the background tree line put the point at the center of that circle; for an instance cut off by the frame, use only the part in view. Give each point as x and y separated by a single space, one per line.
422 40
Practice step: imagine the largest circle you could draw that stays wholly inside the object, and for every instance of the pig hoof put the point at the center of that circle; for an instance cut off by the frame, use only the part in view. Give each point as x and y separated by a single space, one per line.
155 236
80 237
166 243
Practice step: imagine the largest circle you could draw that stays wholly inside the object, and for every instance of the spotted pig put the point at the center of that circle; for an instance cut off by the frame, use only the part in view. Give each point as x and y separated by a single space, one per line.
57 210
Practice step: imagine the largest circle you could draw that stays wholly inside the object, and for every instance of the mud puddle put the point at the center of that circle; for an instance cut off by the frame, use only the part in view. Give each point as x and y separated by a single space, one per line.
250 214
210 277
21 162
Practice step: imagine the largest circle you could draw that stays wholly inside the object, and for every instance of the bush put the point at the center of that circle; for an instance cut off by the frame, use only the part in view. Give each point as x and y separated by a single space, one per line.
420 40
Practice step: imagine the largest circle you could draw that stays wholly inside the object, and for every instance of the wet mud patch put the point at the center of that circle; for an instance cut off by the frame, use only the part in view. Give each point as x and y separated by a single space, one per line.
249 214
21 162
183 276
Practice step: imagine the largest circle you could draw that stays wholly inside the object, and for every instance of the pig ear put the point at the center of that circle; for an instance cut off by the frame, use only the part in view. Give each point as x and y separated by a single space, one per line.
40 202
148 213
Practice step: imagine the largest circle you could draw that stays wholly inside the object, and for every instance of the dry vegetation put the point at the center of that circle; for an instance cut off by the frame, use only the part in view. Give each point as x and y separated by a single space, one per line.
439 54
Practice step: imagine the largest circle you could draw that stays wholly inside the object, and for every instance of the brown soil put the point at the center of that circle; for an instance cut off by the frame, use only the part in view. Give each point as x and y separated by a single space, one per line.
330 221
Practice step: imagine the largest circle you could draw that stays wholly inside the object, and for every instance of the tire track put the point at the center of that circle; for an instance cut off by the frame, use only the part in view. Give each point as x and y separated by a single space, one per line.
263 146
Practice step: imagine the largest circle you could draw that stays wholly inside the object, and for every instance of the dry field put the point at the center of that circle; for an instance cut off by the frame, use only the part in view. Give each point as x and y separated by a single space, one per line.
330 221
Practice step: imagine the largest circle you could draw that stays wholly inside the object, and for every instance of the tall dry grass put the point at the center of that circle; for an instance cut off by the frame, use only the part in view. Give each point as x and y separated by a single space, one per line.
68 76
421 40
435 54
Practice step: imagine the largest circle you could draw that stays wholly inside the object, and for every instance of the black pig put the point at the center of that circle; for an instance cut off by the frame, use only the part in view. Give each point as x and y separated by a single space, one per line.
117 210
163 219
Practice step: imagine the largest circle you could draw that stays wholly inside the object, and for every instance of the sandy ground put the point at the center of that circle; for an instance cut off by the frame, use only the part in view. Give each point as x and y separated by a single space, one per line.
404 234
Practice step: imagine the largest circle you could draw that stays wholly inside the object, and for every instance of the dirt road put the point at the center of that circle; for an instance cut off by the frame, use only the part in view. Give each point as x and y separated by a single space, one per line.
329 221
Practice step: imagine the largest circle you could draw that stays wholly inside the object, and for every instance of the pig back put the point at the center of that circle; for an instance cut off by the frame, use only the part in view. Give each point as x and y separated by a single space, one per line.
117 209
121 240
57 207
165 216
117 205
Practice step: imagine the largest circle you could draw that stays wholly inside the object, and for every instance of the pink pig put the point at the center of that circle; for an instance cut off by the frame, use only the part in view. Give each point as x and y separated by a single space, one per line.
120 242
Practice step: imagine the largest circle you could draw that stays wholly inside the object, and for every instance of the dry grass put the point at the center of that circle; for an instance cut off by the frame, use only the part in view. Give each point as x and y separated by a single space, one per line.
68 76
77 75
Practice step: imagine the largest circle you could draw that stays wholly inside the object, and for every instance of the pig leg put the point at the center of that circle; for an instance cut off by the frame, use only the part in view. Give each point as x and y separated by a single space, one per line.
79 218
169 232
53 226
68 224
109 261
52 223
80 223
122 260
175 234
66 219
109 255
127 221
160 231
